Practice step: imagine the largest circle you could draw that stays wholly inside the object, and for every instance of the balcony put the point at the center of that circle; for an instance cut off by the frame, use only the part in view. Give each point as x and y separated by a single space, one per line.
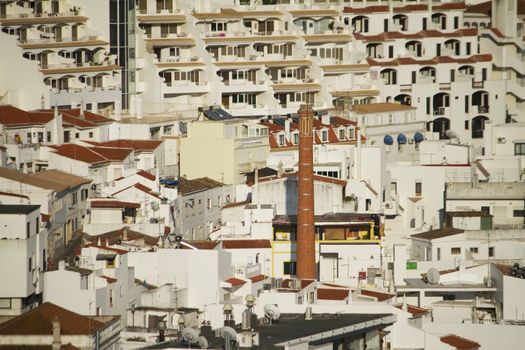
483 109
440 111
185 88
42 18
478 84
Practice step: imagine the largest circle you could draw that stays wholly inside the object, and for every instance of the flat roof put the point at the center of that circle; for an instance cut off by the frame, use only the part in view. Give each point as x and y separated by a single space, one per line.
17 209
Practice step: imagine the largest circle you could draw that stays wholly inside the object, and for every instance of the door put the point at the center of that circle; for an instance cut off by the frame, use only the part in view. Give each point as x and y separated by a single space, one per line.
329 267
74 33
226 101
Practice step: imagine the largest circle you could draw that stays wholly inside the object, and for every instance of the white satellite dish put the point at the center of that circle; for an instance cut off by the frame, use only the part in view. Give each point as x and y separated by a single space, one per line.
433 276
272 312
190 335
203 342
228 332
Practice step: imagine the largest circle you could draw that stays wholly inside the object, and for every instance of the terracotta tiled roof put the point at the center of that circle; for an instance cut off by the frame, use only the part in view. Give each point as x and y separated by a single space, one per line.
80 153
140 187
246 244
62 178
235 281
136 145
146 175
113 204
414 310
115 250
39 322
31 180
11 116
108 279
460 343
258 278
433 61
202 245
115 154
112 237
196 185
332 294
380 296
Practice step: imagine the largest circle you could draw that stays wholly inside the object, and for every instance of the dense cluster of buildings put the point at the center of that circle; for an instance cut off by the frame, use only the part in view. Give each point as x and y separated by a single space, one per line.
275 174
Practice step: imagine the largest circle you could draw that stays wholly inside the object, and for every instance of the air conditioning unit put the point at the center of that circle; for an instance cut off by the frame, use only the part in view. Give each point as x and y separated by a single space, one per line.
502 140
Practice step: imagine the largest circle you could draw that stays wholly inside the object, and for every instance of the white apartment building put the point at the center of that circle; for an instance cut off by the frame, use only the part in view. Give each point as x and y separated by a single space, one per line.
24 254
73 61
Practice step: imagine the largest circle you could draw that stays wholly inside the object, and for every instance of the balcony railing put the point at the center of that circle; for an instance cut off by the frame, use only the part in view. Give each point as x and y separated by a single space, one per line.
439 111
483 109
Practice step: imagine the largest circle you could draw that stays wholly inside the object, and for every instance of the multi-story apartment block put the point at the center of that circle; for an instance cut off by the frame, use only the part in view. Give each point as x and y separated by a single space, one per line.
73 61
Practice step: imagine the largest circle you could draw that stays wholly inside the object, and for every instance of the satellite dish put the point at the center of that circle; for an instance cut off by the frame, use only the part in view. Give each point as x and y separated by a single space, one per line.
228 332
190 335
272 312
433 276
154 206
203 342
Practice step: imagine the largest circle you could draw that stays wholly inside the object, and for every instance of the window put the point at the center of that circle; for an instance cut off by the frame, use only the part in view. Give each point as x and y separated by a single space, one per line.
111 298
228 198
439 254
466 124
519 213
74 198
419 190
49 136
351 133
324 135
342 134
91 134
473 250
455 250
37 225
208 204
393 187
468 49
491 252
289 267
485 210
30 264
5 303
519 149
28 230
296 139
219 201
281 140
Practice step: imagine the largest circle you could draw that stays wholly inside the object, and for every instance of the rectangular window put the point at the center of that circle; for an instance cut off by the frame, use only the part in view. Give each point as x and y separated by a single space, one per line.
468 49
37 225
485 210
208 204
519 149
519 213
289 267
30 264
28 230
456 22
111 298
281 140
466 124
342 134
439 254
473 250
49 136
219 201
455 250
5 303
491 252
324 136
419 189
428 105
393 187
296 139
91 134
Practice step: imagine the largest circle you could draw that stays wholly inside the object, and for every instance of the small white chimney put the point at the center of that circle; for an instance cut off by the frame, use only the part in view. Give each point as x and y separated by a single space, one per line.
56 334
82 109
325 119
287 123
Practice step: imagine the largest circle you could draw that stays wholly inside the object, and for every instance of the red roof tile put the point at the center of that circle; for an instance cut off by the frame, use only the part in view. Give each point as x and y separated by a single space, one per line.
332 294
39 321
137 145
235 281
113 204
202 245
414 310
139 187
460 343
146 175
246 244
11 116
380 296
109 279
9 194
258 278
80 153
114 154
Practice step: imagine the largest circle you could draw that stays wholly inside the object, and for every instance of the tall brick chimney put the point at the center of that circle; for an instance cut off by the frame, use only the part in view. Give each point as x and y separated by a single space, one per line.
306 268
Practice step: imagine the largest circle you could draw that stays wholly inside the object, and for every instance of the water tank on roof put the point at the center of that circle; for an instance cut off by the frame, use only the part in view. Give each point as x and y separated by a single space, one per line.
401 139
388 140
418 137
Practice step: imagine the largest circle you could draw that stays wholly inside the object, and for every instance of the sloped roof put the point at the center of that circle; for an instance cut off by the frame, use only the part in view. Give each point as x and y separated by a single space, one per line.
235 281
113 204
332 294
439 233
112 237
460 343
380 296
80 153
258 278
246 244
62 178
139 187
31 180
196 185
146 175
136 145
414 310
39 321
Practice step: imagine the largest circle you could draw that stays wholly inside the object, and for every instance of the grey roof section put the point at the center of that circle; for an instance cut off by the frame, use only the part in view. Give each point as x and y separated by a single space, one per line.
439 233
18 209
217 114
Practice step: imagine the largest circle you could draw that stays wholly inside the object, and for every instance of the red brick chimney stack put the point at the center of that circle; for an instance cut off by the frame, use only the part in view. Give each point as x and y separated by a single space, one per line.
306 268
